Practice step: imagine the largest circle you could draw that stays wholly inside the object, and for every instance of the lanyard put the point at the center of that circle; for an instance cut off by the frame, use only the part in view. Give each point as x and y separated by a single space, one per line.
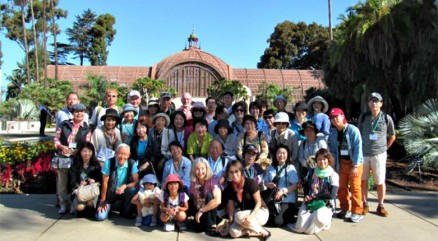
376 123
250 172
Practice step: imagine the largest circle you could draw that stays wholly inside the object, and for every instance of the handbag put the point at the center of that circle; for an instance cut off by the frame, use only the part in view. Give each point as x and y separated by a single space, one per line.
61 162
273 205
88 192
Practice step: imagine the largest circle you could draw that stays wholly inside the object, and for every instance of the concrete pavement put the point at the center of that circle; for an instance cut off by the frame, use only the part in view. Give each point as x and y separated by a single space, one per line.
412 216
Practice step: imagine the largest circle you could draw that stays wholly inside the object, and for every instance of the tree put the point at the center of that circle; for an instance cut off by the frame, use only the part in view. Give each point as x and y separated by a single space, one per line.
16 18
389 47
219 87
79 35
269 91
149 88
35 40
295 46
26 46
102 34
96 87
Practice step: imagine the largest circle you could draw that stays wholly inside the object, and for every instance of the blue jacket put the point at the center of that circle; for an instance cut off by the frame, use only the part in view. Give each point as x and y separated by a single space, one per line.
354 142
183 173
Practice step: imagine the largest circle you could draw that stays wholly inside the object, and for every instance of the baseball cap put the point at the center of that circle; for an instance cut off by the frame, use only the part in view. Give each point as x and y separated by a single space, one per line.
165 95
252 148
134 93
335 112
375 95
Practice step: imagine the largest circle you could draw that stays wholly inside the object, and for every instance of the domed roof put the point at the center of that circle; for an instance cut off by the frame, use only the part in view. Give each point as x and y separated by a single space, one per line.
192 54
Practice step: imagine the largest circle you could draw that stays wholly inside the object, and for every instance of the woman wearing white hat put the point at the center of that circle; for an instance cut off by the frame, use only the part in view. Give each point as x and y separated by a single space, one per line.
283 135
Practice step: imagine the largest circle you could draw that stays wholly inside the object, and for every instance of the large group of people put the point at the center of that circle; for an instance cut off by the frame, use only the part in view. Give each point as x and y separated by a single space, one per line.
221 165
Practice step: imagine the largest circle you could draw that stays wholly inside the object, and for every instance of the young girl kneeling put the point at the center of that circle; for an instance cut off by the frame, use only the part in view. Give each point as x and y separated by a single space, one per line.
174 203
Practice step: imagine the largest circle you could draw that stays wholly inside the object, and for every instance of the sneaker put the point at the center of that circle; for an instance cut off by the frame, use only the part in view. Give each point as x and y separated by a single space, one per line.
153 222
355 218
138 221
344 214
366 209
381 211
62 209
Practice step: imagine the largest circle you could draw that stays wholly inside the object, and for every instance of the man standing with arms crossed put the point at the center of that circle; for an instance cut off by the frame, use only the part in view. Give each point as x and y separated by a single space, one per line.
378 134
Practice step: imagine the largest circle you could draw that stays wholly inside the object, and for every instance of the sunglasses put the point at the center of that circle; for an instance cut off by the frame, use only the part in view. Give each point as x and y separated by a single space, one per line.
268 117
240 110
281 123
197 110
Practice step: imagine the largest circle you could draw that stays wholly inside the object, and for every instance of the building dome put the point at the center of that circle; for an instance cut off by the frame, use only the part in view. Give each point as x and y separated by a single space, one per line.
195 56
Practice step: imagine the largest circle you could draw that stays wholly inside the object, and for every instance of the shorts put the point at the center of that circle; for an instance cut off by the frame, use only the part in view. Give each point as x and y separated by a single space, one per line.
376 163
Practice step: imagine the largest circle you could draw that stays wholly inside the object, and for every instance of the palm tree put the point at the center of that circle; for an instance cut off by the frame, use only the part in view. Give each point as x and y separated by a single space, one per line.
35 41
419 133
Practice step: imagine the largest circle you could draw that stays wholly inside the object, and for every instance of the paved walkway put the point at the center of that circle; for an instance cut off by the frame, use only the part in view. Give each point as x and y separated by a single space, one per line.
412 216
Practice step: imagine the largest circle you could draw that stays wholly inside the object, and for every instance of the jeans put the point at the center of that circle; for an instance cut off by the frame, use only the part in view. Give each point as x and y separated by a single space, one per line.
121 202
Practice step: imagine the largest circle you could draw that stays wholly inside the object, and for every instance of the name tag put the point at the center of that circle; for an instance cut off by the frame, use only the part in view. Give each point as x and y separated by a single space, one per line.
373 137
344 152
72 145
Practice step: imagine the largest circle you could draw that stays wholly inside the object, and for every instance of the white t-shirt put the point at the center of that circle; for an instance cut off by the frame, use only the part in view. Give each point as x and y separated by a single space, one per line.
173 202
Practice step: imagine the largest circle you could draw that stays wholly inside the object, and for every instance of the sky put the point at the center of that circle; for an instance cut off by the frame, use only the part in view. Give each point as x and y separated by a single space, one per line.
148 31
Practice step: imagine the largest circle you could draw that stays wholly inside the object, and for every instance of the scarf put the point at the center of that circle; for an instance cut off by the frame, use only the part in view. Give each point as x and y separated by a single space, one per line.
238 188
110 137
320 181
328 171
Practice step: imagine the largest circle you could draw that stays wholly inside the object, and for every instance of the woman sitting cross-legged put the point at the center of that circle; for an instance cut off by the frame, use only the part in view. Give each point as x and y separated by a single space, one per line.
206 196
316 211
251 213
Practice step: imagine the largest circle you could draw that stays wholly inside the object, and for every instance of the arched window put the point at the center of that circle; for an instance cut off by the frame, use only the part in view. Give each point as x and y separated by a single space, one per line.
191 77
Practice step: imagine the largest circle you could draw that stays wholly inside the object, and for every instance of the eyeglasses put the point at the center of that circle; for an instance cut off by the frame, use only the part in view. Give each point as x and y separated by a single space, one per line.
112 96
268 117
240 110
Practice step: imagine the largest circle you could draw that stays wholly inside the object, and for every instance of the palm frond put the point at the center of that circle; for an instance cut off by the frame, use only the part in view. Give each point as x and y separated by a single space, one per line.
419 133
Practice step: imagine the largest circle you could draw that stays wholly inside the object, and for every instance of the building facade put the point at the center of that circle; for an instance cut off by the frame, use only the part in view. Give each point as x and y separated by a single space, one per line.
193 70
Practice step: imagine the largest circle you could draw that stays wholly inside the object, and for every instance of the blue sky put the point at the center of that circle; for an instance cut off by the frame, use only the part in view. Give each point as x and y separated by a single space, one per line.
148 31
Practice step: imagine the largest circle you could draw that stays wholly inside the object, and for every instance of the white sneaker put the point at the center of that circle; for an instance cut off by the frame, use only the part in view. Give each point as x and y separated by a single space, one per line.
138 221
153 222
355 218
62 209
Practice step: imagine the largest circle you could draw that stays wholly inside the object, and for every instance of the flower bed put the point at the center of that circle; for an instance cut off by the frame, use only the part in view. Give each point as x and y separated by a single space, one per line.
26 168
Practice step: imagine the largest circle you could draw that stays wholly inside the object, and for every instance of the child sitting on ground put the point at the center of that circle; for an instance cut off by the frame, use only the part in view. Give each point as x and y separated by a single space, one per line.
146 201
174 203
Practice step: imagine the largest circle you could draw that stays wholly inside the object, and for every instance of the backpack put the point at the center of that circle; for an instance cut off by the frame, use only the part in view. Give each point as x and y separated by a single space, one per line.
368 113
181 198
113 176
